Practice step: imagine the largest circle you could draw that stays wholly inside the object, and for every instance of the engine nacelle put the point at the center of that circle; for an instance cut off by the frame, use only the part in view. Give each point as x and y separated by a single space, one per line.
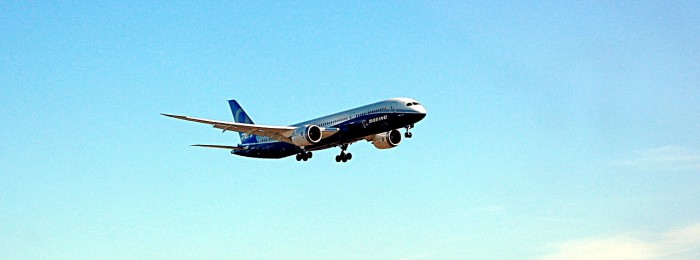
387 140
306 135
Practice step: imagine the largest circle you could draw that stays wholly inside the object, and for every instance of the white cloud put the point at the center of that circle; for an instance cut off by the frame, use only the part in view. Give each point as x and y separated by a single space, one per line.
680 243
664 158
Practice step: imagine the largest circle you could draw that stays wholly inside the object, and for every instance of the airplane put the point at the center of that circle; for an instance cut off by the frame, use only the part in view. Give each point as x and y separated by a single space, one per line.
377 123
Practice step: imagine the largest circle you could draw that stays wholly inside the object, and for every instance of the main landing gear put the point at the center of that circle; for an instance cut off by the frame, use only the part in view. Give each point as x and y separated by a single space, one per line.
344 157
304 156
408 133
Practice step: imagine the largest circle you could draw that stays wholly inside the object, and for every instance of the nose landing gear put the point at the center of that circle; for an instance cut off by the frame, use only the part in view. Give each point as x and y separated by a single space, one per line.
408 133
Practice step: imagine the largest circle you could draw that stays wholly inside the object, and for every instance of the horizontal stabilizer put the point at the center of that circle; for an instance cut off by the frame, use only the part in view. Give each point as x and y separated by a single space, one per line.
228 147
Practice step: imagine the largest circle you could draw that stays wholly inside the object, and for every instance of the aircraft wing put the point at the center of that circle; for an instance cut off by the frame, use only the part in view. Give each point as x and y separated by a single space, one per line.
227 147
279 133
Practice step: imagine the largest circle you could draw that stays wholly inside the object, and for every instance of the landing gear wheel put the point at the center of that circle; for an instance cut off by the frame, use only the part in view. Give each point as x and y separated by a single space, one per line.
408 133
305 156
343 157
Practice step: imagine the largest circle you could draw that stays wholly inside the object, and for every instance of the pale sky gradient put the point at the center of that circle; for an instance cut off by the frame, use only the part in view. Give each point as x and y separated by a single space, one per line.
555 130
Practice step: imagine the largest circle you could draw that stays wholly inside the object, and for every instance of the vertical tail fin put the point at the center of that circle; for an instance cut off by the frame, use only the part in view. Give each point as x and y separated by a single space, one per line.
240 116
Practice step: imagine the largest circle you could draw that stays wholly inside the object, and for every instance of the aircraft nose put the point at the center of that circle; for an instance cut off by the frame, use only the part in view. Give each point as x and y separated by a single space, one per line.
420 109
419 112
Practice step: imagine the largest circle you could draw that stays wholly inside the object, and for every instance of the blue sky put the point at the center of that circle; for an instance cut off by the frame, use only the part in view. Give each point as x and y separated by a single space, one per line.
555 130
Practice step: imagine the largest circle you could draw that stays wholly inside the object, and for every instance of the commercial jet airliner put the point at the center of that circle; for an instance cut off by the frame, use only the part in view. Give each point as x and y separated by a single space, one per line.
377 123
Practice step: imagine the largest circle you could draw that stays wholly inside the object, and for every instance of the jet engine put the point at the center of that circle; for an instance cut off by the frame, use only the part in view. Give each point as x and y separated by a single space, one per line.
387 140
306 135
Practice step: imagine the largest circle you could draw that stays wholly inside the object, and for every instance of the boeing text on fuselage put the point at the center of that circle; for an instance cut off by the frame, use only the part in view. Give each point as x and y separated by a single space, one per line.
376 119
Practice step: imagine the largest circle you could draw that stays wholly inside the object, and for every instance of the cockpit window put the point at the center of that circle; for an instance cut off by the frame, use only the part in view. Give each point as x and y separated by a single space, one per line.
409 104
415 103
